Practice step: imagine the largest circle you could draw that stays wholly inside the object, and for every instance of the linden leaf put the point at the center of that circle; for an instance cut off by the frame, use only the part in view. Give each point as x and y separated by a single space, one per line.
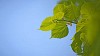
47 24
81 25
60 8
73 12
58 15
60 30
76 44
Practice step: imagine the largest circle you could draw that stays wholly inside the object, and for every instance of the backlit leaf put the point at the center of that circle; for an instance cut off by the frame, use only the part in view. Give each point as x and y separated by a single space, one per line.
58 15
47 24
60 30
76 44
73 12
60 8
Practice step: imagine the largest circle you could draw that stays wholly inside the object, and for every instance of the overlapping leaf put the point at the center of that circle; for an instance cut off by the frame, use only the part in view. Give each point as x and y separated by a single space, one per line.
47 24
76 44
50 22
60 8
81 25
73 12
58 16
60 30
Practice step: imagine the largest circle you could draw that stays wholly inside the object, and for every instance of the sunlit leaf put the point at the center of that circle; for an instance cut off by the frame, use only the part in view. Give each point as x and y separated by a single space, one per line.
81 24
47 24
60 30
58 15
76 44
60 8
73 12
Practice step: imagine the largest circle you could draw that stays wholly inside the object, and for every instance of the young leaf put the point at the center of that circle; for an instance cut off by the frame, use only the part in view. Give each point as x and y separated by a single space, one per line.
47 24
73 12
81 24
76 44
60 30
60 8
58 15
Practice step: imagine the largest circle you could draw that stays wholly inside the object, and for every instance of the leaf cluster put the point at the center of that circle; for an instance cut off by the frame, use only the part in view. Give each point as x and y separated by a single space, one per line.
83 13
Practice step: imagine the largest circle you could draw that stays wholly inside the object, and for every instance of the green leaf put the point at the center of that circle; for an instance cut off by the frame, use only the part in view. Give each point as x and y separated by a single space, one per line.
60 8
47 24
83 37
58 15
60 30
85 16
73 12
81 25
86 9
77 2
76 44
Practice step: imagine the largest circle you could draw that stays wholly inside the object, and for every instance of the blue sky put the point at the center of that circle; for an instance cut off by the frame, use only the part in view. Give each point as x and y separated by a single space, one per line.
19 21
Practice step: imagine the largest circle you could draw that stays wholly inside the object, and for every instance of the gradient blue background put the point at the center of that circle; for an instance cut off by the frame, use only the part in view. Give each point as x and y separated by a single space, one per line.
19 34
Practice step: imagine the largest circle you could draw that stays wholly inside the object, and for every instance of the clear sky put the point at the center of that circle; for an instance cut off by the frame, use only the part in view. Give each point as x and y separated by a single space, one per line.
19 21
